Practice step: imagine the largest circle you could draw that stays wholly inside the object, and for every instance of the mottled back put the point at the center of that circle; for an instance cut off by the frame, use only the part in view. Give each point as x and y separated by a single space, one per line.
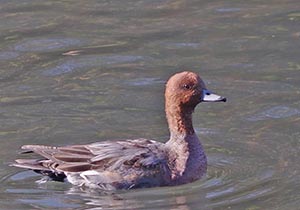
108 164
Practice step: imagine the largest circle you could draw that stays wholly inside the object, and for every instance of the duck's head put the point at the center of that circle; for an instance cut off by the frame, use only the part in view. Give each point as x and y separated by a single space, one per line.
186 89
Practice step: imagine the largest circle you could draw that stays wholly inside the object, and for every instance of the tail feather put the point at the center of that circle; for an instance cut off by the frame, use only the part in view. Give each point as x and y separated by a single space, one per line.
33 147
30 166
45 151
55 161
36 166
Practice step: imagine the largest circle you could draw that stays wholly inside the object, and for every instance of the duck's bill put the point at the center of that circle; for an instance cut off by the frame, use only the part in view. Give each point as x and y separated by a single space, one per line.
211 97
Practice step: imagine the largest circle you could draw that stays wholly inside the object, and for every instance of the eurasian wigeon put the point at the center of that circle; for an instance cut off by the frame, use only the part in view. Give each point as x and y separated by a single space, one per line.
136 163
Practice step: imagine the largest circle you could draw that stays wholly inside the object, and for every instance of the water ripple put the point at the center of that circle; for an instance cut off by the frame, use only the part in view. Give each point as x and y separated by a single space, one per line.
144 81
91 61
184 45
230 9
46 44
224 191
8 55
276 112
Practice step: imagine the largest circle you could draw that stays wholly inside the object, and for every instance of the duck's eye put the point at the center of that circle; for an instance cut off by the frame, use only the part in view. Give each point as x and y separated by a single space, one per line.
187 86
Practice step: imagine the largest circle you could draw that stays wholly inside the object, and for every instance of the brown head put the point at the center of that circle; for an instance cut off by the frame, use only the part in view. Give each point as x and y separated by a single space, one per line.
184 91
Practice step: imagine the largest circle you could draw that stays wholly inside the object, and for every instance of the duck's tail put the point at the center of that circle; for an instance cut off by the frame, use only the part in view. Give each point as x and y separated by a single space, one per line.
42 166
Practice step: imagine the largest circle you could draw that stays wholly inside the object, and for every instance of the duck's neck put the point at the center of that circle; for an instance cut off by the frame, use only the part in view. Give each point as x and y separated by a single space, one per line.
187 160
179 120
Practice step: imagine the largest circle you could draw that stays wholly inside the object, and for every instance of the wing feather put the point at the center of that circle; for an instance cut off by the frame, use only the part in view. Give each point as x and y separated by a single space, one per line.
99 162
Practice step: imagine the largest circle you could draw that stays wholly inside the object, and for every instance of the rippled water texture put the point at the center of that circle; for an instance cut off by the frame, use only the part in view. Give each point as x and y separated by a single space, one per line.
77 72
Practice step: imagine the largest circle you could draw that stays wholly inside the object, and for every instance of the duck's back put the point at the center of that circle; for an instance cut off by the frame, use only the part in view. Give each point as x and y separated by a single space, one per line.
107 165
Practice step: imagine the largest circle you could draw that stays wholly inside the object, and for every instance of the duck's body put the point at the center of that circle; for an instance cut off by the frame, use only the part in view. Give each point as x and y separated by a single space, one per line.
135 163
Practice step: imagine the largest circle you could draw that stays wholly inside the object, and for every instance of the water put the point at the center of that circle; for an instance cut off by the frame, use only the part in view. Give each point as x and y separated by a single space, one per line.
77 72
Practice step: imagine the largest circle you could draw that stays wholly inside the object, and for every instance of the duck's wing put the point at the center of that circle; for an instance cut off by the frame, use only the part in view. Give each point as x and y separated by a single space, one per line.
54 157
135 153
106 162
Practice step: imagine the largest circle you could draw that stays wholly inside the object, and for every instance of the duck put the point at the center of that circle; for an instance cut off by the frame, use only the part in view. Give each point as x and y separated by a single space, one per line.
135 163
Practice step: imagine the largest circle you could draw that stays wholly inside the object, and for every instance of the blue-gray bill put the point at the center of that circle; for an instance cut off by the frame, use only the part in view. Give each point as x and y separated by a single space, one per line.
211 97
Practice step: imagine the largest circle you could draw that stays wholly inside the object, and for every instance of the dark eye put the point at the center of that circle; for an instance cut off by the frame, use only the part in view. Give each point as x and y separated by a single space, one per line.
187 87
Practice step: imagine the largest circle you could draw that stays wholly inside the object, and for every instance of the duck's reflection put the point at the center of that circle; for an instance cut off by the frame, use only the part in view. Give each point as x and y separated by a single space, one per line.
172 198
